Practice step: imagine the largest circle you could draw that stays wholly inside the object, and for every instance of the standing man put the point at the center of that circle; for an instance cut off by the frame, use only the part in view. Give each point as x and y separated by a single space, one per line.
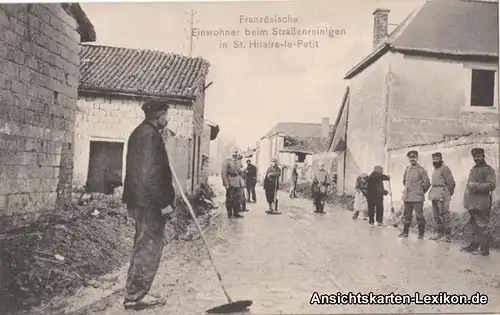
241 190
416 183
271 183
322 178
442 189
231 181
295 178
477 199
251 180
149 195
375 195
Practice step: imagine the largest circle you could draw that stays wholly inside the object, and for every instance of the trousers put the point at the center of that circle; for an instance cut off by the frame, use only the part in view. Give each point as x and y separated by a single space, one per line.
408 209
251 190
479 220
233 201
146 252
441 213
375 210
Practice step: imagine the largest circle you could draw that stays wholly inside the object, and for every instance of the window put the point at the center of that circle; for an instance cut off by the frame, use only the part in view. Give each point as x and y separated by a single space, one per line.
482 88
301 157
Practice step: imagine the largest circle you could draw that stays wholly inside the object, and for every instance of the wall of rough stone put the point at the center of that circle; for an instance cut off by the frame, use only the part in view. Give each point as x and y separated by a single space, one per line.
456 154
205 153
39 69
430 98
114 119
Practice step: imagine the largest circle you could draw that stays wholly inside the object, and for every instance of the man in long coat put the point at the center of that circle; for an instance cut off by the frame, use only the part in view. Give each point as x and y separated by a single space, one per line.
251 181
416 183
149 196
442 189
231 181
477 199
271 183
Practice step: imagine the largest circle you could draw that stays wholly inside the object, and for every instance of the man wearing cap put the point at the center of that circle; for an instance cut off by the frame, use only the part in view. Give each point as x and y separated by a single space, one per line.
477 200
295 178
251 181
442 189
416 183
231 181
271 183
323 182
149 196
241 190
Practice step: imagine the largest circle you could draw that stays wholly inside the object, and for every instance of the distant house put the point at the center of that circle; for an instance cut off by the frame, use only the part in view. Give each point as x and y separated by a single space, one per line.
114 83
291 143
434 77
38 91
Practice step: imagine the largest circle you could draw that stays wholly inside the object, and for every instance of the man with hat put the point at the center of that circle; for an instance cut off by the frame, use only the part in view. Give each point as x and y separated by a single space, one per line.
241 190
416 183
251 181
322 179
149 196
442 189
477 200
375 195
231 181
271 182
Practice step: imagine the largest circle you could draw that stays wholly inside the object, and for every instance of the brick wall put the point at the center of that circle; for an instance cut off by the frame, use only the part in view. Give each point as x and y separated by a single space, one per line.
430 98
114 119
367 112
39 70
456 154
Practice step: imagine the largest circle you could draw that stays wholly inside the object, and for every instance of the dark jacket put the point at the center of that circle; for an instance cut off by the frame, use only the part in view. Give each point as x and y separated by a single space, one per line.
375 186
148 178
251 173
482 181
272 177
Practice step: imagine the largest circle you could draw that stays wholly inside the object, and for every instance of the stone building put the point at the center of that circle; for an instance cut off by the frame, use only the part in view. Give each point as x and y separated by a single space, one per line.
434 78
39 60
114 83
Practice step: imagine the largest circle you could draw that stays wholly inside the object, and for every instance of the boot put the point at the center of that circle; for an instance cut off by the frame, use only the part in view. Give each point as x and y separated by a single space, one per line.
406 230
485 246
355 215
472 247
439 234
421 231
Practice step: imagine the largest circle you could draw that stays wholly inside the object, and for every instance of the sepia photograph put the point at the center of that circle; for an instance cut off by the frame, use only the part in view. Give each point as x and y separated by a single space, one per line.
249 157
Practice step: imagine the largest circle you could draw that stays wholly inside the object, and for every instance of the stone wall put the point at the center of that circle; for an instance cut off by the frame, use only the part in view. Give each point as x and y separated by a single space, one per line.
114 119
39 69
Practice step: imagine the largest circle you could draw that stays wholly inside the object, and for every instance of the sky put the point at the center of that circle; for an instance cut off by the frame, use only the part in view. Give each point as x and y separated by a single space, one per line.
254 89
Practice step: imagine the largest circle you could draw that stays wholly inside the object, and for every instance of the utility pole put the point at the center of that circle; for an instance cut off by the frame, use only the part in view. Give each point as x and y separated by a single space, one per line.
191 22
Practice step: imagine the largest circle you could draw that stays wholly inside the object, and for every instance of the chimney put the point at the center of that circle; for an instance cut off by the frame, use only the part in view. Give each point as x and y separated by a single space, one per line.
325 127
380 26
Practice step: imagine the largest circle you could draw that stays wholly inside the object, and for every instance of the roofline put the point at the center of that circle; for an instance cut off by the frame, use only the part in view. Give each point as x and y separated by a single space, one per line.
85 27
339 115
367 61
424 51
116 92
284 133
296 151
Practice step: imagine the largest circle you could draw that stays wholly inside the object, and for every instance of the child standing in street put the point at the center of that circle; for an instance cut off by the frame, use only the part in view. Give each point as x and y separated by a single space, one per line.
360 203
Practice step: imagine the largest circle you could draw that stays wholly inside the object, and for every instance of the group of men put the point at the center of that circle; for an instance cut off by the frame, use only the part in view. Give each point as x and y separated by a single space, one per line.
440 187
236 178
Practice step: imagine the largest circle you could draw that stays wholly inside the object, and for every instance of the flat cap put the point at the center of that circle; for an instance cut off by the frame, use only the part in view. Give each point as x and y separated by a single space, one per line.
437 154
274 160
412 152
151 106
378 168
477 151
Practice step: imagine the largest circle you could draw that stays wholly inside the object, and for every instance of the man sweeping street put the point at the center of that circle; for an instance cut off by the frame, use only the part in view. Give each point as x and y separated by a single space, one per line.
271 183
149 195
322 179
231 181
442 189
375 195
477 200
251 181
416 183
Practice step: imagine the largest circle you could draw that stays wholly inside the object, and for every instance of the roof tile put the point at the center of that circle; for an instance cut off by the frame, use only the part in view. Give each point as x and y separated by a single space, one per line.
144 72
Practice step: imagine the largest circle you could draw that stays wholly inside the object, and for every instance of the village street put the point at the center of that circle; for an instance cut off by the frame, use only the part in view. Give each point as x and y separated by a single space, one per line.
279 261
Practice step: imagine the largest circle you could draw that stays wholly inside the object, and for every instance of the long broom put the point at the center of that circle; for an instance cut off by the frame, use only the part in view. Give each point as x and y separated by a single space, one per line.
230 306
393 212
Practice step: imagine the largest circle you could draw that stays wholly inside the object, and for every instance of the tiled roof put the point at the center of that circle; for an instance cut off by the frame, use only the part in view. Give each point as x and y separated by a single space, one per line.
446 27
306 144
296 129
143 72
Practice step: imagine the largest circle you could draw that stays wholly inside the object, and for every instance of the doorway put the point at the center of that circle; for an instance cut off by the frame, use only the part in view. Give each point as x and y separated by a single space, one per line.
105 166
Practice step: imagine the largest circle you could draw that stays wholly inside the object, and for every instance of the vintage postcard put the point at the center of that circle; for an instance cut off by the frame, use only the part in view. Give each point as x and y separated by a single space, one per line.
257 157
